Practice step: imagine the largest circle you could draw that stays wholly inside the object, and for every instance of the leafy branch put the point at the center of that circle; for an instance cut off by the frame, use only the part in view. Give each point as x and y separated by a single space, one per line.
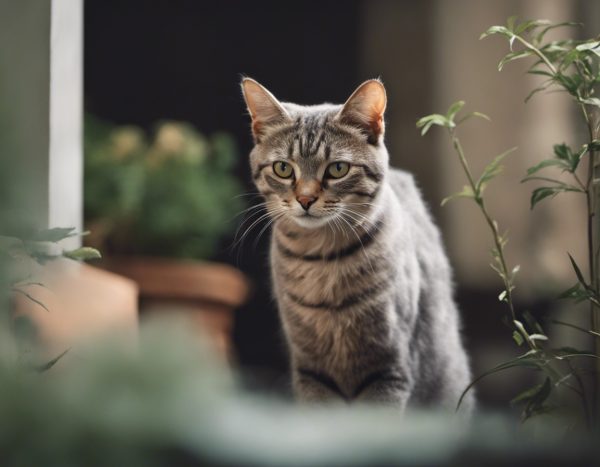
537 356
474 190
573 67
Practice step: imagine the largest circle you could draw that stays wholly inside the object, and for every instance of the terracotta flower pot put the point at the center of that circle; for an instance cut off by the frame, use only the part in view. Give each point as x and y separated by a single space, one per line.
76 303
206 293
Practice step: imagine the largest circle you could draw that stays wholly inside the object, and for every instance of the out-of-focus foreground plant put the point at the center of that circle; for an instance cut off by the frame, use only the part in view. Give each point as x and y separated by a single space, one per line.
22 253
574 67
172 194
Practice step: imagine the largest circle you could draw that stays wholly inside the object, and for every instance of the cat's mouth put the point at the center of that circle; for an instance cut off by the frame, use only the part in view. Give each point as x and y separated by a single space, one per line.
310 220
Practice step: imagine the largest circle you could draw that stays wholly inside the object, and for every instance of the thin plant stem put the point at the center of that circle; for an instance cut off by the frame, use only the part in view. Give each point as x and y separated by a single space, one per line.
538 52
495 234
505 275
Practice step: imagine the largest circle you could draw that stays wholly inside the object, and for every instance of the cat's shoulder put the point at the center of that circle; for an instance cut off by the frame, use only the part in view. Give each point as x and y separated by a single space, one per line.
409 197
403 183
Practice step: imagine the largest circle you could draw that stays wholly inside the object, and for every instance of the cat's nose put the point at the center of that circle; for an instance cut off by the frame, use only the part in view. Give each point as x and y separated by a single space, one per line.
306 201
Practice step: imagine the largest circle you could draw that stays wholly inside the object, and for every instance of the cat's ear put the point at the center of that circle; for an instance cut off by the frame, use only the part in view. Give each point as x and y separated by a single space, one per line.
364 109
264 108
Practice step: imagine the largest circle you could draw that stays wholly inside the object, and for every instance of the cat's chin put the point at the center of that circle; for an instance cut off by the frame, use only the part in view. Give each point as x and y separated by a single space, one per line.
311 222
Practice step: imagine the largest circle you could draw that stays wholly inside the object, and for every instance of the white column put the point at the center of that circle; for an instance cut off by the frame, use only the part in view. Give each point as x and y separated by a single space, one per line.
65 177
41 108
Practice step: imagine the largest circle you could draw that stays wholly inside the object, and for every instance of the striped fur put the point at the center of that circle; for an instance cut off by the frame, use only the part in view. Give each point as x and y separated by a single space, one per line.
361 279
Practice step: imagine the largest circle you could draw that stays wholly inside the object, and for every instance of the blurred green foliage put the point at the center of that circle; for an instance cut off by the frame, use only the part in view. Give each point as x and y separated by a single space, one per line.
172 194
167 401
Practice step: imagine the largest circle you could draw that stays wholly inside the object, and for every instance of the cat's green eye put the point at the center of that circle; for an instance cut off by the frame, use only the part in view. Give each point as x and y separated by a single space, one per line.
338 169
283 169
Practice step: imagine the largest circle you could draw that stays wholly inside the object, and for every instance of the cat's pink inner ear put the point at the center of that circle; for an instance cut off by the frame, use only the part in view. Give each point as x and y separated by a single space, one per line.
365 108
264 108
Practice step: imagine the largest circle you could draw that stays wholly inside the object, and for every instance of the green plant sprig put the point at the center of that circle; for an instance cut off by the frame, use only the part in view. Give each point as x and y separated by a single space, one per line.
474 190
574 67
537 357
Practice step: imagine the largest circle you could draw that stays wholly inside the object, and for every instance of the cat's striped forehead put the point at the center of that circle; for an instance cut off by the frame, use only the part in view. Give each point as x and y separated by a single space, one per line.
313 135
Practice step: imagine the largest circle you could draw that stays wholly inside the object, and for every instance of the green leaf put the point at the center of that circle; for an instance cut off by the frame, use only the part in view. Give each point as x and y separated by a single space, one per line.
466 192
580 293
54 235
591 101
473 114
454 109
29 297
434 119
562 151
547 163
512 56
540 36
565 353
591 46
594 145
576 157
530 24
536 71
46 366
492 170
568 59
565 159
528 360
534 399
543 179
496 30
572 292
517 338
541 88
578 272
82 254
521 329
510 22
569 83
538 337
550 191
528 393
587 331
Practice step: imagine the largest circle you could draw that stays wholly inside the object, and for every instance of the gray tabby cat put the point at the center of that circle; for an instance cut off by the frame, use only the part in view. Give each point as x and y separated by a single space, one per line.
361 279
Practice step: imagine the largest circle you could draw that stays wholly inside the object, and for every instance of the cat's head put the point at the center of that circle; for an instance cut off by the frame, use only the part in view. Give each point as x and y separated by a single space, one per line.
318 164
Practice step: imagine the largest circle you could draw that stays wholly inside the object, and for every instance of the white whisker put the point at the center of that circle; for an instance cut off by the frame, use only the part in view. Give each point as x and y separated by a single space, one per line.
362 247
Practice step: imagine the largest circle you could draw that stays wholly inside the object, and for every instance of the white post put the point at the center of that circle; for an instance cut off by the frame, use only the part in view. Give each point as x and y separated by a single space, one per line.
41 108
65 177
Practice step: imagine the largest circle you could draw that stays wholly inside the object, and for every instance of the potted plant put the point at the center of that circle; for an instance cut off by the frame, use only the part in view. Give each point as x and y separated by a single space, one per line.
157 206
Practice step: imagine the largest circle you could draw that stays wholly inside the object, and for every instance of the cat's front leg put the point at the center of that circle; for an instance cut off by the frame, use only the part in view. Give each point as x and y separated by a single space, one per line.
384 387
314 387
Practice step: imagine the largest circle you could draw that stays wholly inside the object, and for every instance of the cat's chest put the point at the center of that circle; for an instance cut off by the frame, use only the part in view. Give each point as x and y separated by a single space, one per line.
330 283
328 275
